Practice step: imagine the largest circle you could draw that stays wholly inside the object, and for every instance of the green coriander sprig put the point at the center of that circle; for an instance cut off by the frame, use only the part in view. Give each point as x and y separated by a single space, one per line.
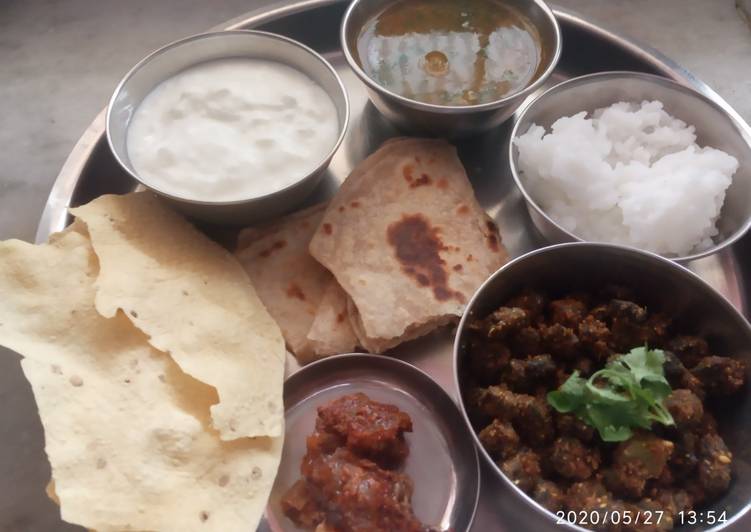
627 393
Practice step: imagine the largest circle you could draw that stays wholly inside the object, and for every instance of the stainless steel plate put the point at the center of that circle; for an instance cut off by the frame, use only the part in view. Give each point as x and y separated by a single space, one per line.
443 461
91 171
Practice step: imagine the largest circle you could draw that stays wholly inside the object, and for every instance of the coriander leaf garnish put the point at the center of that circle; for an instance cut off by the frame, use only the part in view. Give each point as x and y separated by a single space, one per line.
627 393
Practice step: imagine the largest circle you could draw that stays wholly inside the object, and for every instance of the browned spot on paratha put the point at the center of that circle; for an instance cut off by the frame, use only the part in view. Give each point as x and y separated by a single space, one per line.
417 247
279 244
293 290
421 181
492 237
407 173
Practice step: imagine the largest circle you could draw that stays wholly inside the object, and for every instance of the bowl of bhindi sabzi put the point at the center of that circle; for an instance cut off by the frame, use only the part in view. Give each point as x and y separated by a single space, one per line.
607 387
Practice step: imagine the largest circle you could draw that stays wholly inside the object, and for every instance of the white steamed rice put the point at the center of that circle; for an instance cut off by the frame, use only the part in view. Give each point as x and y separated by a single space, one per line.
632 174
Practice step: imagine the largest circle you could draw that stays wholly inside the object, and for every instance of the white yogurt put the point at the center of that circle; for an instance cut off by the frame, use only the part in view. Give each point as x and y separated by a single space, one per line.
231 129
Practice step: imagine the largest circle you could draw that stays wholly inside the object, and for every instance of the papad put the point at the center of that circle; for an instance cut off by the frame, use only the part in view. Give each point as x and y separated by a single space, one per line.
194 301
127 433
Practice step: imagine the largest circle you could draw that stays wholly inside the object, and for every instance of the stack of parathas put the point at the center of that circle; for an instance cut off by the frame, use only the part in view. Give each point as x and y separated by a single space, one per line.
396 253
302 296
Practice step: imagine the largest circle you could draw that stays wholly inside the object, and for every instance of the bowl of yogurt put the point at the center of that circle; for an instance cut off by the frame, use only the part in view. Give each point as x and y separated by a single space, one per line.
232 127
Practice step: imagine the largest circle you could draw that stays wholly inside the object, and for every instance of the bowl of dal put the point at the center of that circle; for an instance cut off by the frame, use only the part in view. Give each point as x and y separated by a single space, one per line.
447 68
231 127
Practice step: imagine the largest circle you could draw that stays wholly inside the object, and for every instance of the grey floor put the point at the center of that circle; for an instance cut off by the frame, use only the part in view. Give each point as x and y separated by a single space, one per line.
60 60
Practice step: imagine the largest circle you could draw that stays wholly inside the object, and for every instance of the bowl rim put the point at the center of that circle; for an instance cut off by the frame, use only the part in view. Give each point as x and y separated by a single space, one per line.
324 162
742 129
457 350
453 109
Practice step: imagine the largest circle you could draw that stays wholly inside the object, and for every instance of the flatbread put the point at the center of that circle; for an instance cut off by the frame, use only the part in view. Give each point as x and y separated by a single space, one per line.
379 345
301 295
407 240
194 301
331 332
289 281
127 433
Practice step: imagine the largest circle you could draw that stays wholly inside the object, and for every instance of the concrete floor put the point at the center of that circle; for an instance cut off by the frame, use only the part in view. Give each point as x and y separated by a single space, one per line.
60 60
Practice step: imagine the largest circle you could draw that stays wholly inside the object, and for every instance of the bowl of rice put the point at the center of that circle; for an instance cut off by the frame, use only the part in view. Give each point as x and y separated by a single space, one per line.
637 160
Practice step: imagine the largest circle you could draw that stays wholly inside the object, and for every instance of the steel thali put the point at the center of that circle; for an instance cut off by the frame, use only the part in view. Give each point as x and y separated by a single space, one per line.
91 171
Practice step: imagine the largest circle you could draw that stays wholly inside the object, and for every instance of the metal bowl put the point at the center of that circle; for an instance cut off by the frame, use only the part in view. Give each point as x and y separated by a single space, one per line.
179 55
661 283
442 462
714 127
446 120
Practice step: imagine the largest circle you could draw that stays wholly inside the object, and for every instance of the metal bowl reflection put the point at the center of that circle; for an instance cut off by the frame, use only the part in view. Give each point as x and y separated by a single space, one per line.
449 120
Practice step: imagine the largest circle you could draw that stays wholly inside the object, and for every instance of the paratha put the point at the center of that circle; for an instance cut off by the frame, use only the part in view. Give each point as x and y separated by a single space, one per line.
331 332
407 241
301 295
